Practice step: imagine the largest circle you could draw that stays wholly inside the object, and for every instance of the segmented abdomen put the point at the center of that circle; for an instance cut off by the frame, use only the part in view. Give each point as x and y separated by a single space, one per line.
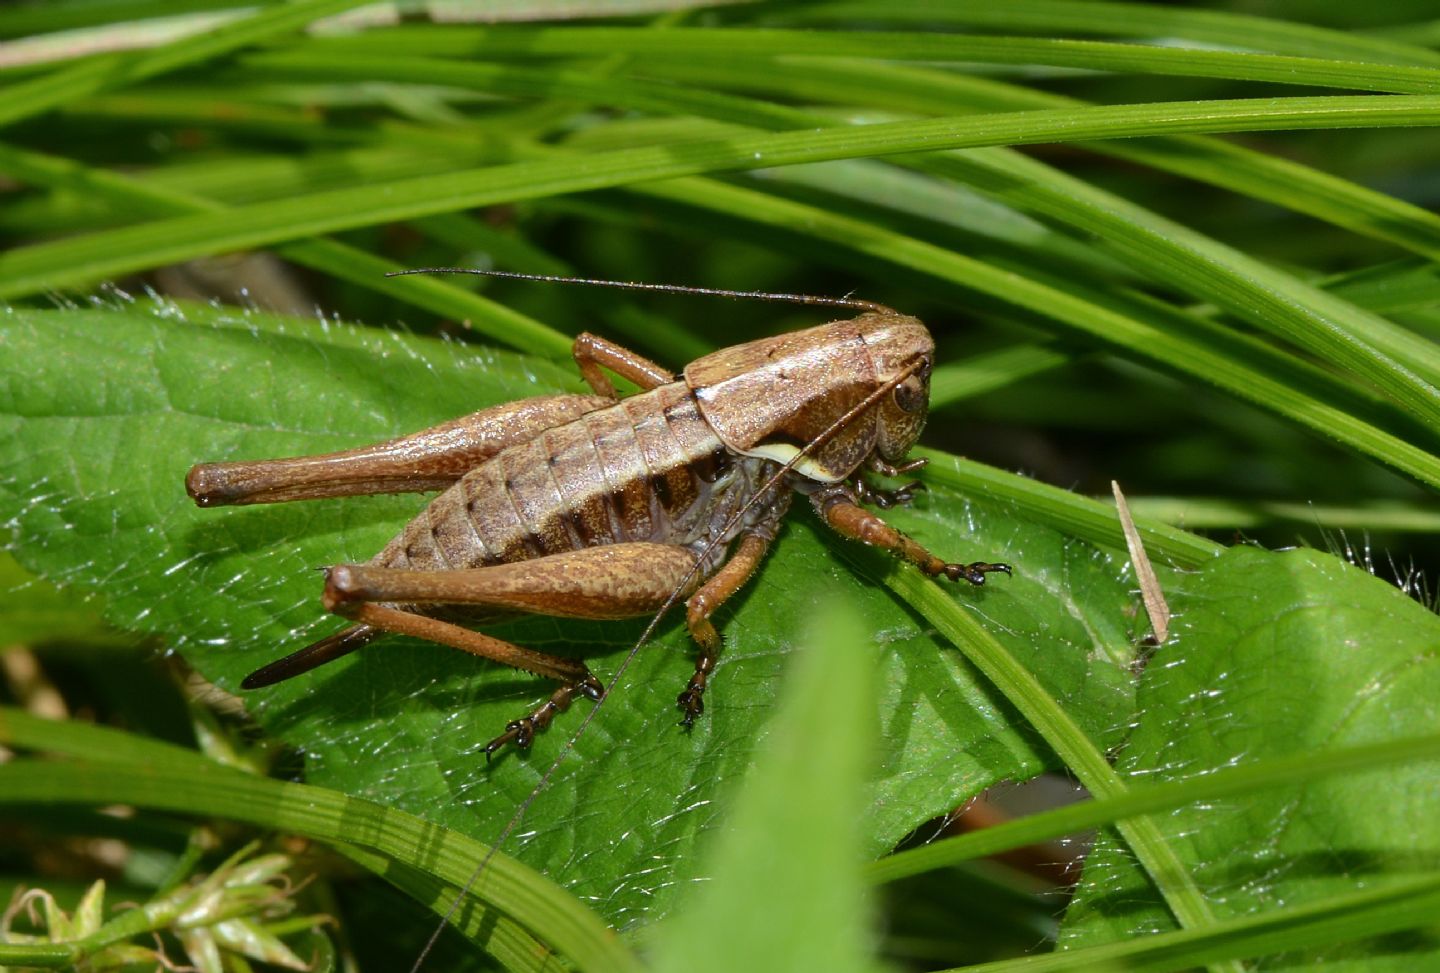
648 468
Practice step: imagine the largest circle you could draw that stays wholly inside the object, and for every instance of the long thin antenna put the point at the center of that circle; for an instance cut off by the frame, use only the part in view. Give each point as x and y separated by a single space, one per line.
848 417
811 299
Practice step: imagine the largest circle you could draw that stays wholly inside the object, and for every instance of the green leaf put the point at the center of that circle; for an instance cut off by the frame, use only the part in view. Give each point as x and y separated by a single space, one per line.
34 611
1279 655
141 394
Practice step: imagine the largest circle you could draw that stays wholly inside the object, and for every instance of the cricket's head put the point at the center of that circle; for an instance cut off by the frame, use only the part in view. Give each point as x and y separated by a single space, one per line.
903 353
778 396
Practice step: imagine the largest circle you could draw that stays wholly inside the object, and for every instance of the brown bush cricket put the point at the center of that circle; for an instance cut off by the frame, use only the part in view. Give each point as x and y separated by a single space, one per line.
594 506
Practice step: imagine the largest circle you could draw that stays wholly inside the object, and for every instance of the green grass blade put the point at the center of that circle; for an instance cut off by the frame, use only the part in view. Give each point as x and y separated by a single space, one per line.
906 88
1069 513
26 19
786 868
97 744
1400 285
95 256
341 260
1272 300
1143 338
1143 20
971 377
1338 919
28 98
1161 863
145 773
1199 513
1225 782
761 43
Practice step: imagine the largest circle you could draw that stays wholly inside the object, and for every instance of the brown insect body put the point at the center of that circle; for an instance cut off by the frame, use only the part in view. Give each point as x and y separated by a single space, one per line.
598 507
645 469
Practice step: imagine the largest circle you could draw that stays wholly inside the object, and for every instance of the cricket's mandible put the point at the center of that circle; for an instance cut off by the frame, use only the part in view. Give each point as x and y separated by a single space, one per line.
594 506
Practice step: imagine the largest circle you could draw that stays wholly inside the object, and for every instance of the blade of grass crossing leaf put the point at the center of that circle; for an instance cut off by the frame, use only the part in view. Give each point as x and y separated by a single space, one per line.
1197 513
1069 513
1226 782
1407 905
1061 733
30 98
786 869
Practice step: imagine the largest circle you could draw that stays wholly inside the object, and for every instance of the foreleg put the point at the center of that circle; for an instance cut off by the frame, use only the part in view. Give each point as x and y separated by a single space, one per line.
883 498
837 507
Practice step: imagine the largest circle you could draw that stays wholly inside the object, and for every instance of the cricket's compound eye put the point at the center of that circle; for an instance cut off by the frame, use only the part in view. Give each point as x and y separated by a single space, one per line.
910 395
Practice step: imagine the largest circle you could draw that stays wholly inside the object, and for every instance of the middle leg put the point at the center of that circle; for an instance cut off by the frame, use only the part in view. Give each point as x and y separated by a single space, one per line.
728 580
592 352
